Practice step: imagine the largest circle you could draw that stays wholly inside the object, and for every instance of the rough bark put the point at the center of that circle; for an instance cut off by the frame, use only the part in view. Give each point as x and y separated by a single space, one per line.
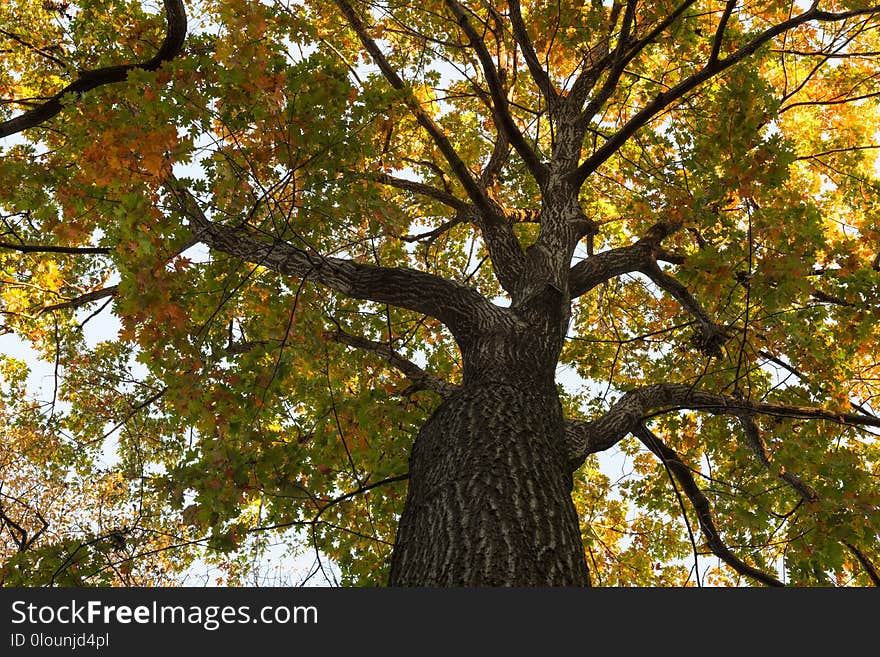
489 500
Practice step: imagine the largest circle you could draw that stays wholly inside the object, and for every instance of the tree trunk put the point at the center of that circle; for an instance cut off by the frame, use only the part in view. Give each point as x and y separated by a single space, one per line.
489 499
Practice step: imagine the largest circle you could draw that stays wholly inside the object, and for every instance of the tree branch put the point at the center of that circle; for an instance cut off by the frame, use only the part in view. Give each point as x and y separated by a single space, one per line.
422 379
521 36
719 33
711 69
499 97
433 234
175 13
497 160
799 486
27 44
803 377
83 299
602 267
713 335
701 505
628 415
324 505
422 189
21 539
461 308
51 248
866 563
753 439
587 437
508 259
474 191
619 59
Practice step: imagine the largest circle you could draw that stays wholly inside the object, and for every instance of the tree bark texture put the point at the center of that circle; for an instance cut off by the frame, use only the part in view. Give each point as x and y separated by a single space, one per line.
489 500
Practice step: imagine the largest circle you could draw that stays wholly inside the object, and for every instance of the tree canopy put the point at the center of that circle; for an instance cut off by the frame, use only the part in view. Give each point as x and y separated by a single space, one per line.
298 218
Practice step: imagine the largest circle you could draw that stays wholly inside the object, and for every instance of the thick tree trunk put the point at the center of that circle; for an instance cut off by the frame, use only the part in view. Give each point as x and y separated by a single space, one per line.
489 501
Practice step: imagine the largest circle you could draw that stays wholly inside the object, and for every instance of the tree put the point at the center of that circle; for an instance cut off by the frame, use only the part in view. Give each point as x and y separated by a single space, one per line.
396 275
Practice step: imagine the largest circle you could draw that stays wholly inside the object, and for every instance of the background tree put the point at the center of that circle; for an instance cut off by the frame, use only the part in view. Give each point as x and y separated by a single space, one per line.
395 274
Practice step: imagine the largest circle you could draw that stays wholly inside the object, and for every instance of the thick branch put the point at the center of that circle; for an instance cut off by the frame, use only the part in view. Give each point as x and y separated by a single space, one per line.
866 563
521 35
461 308
711 69
628 415
23 541
422 379
587 437
620 59
719 33
497 160
602 267
499 95
504 247
753 438
474 191
701 505
508 259
18 533
176 33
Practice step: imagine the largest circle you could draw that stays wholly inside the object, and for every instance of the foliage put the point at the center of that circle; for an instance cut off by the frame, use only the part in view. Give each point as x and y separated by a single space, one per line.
238 402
